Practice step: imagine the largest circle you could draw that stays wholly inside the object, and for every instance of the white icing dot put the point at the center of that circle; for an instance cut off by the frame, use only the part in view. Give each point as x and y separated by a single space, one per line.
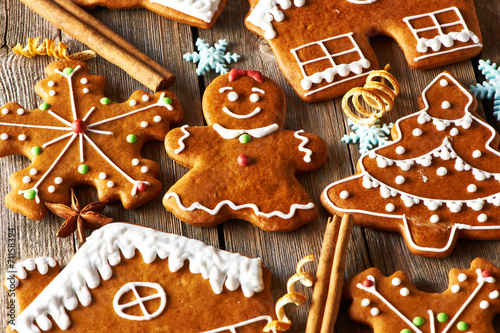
86 90
434 218
365 302
20 192
455 288
157 119
400 180
135 161
21 137
26 179
442 171
51 189
144 124
482 218
51 83
103 175
484 305
344 195
144 169
472 188
375 312
417 132
58 180
84 81
5 111
462 277
494 294
145 98
4 136
454 132
110 184
441 126
445 105
443 83
232 96
132 102
20 111
396 282
390 207
476 154
400 150
52 93
33 172
404 292
254 98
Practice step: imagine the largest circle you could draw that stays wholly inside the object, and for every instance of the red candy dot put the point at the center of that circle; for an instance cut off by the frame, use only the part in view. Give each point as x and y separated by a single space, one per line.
244 160
368 283
486 273
142 187
78 126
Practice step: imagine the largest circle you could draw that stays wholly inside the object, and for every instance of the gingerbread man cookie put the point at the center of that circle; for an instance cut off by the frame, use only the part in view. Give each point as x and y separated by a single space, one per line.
323 48
393 305
437 181
243 163
78 136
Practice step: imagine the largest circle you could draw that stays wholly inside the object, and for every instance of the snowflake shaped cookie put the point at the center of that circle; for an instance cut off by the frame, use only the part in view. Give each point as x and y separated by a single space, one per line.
80 137
368 137
211 57
489 89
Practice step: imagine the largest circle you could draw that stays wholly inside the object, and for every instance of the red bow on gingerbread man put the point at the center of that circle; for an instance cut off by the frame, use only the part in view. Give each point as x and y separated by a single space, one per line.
235 74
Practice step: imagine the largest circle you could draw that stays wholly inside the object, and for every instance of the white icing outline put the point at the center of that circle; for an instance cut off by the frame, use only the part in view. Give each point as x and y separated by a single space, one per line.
227 133
232 328
305 141
255 112
181 140
362 2
447 51
233 206
131 286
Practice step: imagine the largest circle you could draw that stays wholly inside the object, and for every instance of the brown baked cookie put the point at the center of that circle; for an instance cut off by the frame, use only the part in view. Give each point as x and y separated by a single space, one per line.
197 13
243 163
393 305
438 180
129 278
79 137
323 49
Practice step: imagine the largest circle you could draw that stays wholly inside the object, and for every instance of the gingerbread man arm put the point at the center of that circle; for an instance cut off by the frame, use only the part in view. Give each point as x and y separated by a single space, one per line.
185 143
308 151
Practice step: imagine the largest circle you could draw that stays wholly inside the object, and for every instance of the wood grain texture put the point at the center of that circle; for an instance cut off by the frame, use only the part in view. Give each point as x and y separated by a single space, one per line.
166 41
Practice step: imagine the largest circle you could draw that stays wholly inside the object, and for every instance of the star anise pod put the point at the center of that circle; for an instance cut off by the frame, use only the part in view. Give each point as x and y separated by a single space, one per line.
79 219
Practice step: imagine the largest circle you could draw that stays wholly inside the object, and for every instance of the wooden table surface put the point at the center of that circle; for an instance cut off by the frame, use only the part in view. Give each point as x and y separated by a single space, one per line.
166 41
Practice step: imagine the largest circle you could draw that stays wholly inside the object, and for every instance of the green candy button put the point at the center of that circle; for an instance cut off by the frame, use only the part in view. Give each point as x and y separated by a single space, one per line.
36 150
245 138
442 317
30 194
68 70
462 326
83 168
418 321
132 138
105 101
166 100
405 330
45 106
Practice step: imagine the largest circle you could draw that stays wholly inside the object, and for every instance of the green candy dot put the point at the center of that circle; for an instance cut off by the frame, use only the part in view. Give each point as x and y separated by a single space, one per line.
442 317
462 326
68 70
245 138
45 106
36 150
30 194
166 100
83 168
105 101
418 321
132 138
405 330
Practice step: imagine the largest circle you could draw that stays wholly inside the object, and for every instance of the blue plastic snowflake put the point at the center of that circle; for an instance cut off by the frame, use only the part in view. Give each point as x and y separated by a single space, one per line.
211 57
489 89
368 137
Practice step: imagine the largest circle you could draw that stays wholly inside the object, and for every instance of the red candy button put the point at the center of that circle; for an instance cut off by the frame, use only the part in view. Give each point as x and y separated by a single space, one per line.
244 160
78 126
368 283
486 273
142 187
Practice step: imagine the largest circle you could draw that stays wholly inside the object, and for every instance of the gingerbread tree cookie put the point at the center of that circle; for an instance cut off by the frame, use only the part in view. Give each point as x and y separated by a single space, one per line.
437 181
393 305
243 163
79 137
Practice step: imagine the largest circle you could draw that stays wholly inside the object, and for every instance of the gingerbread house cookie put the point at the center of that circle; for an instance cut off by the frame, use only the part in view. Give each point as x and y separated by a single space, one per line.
323 49
437 182
243 164
128 278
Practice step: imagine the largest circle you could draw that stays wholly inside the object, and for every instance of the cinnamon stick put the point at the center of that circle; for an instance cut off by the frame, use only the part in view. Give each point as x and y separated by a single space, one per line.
81 26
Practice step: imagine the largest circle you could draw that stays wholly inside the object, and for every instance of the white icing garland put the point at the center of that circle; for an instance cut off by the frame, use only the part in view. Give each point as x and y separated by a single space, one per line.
266 11
103 250
305 140
181 140
228 134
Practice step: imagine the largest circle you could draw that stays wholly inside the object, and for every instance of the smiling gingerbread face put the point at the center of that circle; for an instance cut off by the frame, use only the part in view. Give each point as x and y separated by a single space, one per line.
244 100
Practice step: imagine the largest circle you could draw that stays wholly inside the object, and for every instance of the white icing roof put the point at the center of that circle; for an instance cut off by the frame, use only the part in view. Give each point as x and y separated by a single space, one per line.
102 250
201 9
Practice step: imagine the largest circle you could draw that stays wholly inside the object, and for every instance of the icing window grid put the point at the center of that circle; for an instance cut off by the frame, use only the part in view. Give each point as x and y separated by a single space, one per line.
340 69
447 40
